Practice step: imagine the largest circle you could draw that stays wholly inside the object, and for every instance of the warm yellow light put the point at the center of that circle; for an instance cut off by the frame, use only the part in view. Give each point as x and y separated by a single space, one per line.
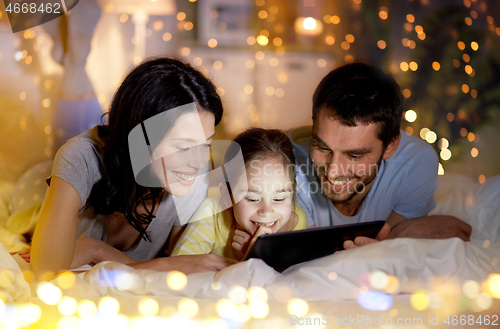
250 64
282 78
108 306
298 307
411 116
443 143
260 55
197 61
468 69
471 136
258 309
188 26
461 45
409 131
423 132
481 179
248 89
406 93
148 307
262 40
383 15
308 26
212 43
445 154
474 152
176 280
309 23
251 40
257 294
345 45
262 14
221 91
436 66
349 38
494 285
419 301
378 280
419 29
381 44
410 18
46 102
187 307
335 19
430 137
463 130
279 92
238 294
404 66
31 313
217 65
465 88
468 21
321 62
484 301
167 36
226 308
158 25
277 41
181 16
22 96
48 293
413 66
440 170
471 289
67 279
86 309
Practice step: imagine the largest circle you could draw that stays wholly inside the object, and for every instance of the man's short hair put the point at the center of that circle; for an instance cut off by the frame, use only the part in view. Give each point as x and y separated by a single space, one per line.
361 94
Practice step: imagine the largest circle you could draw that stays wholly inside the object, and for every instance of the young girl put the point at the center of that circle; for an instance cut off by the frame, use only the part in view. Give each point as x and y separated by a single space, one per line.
267 205
97 210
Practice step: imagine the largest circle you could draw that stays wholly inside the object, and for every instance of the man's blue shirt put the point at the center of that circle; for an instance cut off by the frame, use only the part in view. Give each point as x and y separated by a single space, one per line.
404 184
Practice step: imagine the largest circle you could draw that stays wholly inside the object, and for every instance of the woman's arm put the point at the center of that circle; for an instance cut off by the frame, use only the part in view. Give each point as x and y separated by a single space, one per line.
55 234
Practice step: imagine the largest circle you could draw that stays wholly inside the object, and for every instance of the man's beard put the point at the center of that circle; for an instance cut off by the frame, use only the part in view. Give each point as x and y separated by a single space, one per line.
353 188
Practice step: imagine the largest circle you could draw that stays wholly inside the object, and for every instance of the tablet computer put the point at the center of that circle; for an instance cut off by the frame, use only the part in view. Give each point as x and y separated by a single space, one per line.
282 250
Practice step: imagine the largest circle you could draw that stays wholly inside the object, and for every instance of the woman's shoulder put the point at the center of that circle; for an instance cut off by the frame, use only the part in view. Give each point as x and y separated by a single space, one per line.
78 162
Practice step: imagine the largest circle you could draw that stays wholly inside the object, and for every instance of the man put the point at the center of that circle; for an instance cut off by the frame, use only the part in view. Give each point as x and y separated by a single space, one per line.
359 167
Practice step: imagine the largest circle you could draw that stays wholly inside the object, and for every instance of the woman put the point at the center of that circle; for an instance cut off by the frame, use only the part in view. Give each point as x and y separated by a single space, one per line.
95 210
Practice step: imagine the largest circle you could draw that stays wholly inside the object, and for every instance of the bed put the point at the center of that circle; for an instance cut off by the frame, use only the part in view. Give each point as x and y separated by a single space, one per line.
415 283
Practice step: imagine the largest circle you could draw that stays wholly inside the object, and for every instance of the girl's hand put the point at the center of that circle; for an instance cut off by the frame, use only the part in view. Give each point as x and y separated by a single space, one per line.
241 240
262 230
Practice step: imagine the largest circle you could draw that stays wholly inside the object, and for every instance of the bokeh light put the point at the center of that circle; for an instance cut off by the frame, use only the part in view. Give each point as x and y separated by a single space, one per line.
410 116
67 306
176 280
109 306
48 293
298 307
148 307
187 307
419 301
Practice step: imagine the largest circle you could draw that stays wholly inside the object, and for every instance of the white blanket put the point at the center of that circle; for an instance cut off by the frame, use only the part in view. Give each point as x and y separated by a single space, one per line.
416 263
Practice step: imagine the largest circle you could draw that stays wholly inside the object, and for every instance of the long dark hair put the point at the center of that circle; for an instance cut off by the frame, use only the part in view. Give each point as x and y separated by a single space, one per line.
153 87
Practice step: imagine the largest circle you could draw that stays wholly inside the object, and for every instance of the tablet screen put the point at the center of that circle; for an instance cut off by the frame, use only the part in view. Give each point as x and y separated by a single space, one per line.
282 250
